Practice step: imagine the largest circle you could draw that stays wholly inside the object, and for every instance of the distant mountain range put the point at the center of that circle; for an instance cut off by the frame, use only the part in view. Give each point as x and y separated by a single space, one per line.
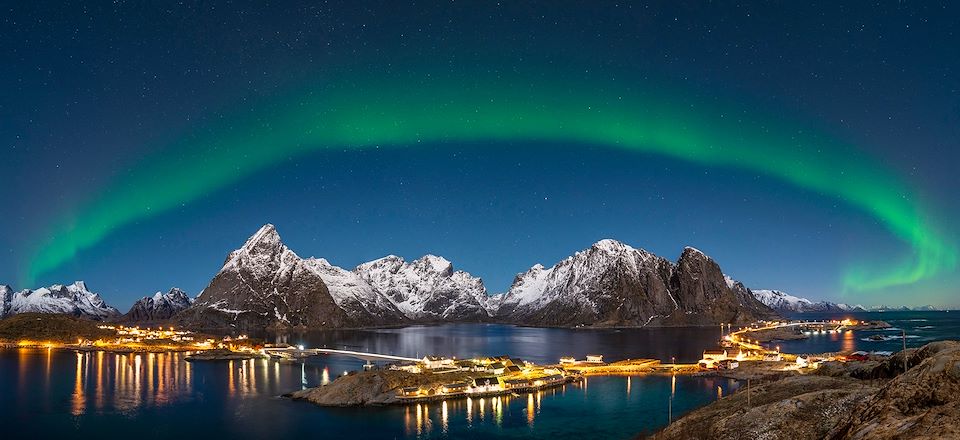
265 285
785 303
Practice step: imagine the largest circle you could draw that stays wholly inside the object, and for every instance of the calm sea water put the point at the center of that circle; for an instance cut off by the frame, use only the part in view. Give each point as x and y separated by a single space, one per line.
920 327
60 393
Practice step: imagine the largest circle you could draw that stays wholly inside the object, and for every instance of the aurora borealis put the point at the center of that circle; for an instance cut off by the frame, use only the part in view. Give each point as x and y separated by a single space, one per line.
418 104
401 116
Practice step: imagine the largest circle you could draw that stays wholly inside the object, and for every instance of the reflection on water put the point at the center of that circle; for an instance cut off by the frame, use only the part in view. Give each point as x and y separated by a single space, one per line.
124 382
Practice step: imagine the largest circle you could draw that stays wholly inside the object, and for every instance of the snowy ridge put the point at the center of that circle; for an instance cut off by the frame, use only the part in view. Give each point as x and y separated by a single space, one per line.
74 299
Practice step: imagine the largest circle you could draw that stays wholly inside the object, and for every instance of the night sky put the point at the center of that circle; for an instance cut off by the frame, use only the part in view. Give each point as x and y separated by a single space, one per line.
807 147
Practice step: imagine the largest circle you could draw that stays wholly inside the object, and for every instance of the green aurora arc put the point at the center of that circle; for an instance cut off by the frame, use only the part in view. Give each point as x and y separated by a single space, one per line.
366 114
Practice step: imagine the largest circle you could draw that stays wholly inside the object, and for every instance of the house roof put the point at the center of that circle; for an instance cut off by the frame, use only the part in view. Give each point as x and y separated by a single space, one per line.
490 380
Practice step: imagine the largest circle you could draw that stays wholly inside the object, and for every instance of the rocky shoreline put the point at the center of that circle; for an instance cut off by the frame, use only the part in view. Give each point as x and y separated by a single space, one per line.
854 400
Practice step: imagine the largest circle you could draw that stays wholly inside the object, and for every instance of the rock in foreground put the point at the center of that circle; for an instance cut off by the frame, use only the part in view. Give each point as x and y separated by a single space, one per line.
923 403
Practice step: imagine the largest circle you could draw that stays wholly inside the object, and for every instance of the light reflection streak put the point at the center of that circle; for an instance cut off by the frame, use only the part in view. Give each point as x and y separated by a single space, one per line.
98 402
77 403
419 420
230 389
444 417
530 409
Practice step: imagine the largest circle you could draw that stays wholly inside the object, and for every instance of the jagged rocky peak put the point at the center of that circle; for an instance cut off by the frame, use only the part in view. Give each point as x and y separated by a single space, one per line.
428 288
263 250
74 299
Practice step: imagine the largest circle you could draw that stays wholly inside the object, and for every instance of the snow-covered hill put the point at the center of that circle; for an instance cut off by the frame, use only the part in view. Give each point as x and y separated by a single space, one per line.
74 299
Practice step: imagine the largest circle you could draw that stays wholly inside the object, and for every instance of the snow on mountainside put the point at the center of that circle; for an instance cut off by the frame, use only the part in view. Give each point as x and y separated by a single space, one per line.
352 293
786 303
161 306
613 284
264 283
74 299
575 277
428 288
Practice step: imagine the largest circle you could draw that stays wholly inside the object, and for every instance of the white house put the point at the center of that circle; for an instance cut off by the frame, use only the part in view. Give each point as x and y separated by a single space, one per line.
433 362
595 358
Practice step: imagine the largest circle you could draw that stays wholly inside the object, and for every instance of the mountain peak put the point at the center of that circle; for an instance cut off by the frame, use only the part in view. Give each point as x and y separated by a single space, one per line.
78 286
611 245
434 263
266 234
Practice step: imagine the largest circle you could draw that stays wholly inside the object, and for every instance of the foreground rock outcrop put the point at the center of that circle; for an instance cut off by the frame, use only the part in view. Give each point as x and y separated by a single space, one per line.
923 403
372 387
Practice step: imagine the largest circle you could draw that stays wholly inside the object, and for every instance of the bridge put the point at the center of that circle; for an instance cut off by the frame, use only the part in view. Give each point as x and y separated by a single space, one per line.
300 352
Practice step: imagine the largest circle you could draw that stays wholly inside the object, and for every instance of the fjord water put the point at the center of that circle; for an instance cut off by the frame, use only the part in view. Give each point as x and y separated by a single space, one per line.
58 393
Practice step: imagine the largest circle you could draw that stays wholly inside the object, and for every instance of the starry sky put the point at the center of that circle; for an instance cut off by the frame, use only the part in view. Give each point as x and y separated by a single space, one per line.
809 147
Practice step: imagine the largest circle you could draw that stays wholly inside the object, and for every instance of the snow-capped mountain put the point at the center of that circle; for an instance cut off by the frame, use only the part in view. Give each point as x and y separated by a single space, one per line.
159 307
74 299
266 285
613 284
785 303
427 289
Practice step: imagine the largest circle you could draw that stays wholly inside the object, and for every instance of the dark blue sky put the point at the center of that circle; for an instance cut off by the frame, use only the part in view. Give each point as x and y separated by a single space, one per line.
89 91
